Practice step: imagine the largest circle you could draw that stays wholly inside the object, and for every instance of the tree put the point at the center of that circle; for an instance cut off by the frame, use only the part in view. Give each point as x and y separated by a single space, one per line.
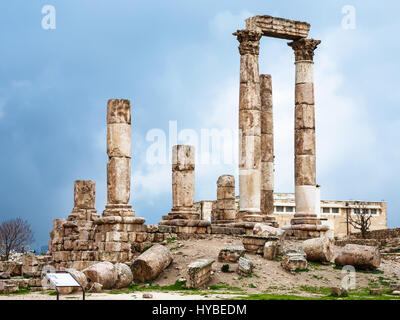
361 220
15 234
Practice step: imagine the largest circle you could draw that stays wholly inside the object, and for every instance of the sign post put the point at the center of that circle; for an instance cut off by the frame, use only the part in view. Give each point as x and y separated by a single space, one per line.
62 279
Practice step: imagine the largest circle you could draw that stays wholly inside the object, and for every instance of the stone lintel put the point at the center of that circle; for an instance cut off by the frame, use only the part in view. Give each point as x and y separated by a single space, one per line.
279 27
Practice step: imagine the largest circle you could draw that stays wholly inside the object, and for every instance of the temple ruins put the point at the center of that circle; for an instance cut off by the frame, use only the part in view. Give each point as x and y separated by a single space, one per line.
118 235
90 243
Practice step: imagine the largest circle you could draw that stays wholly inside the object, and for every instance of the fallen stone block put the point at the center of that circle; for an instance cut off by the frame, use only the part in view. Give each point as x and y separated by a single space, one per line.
6 287
199 272
31 271
375 292
12 267
147 296
395 287
125 276
231 254
95 288
103 273
151 263
359 256
265 230
29 260
318 249
255 243
294 260
245 266
338 292
271 250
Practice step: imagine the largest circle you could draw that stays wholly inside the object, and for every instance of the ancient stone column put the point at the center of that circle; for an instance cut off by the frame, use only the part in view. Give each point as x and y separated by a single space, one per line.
84 194
84 201
305 221
183 216
119 151
183 182
249 126
267 146
119 233
225 206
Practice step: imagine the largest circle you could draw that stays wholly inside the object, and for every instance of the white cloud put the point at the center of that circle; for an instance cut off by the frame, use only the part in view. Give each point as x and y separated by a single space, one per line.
151 182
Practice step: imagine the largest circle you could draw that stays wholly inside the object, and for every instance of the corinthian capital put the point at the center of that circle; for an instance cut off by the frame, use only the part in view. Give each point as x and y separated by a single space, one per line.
249 41
304 48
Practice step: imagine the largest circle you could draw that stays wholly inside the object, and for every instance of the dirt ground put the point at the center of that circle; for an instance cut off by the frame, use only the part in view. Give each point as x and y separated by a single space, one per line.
268 276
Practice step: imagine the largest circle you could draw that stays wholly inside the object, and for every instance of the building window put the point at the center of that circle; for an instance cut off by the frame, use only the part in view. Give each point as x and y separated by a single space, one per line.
326 210
335 210
374 212
279 209
289 209
356 211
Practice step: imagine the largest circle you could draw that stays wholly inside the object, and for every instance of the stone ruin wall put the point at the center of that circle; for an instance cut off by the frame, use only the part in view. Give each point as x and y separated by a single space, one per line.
382 234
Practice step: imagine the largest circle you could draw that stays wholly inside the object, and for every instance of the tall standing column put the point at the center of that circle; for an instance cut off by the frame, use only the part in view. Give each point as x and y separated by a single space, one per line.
305 222
249 126
304 126
119 149
267 147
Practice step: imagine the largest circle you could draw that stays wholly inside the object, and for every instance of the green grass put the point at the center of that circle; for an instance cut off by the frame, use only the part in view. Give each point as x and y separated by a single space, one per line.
147 248
315 265
225 286
177 286
316 290
356 295
171 240
252 275
252 286
386 282
377 271
173 248
49 292
18 292
301 270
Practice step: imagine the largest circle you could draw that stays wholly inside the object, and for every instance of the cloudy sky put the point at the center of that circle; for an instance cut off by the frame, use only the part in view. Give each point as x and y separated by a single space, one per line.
178 63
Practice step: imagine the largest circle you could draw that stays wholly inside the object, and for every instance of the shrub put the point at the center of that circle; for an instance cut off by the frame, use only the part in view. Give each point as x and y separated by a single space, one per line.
225 268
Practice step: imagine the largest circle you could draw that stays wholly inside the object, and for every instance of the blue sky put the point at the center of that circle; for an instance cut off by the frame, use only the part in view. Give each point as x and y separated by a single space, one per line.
178 61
